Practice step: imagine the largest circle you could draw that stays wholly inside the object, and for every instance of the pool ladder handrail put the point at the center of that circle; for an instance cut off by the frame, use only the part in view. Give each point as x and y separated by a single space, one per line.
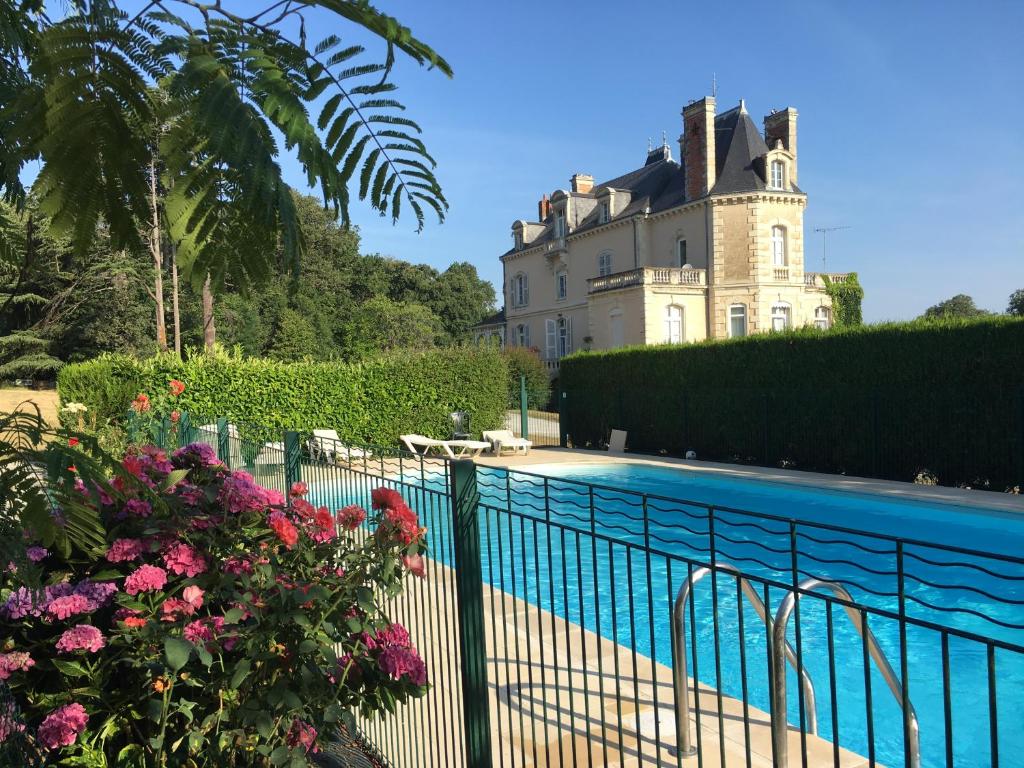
780 744
684 744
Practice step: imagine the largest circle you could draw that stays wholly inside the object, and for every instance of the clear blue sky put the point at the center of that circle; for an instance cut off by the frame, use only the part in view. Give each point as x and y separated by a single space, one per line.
911 124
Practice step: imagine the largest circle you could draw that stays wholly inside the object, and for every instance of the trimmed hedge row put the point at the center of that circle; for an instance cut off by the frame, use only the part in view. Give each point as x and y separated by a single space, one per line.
887 400
368 402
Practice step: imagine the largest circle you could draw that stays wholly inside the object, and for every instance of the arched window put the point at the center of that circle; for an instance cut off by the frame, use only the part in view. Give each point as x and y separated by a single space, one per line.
561 284
778 175
517 236
616 332
560 224
520 290
779 257
737 320
674 324
604 264
781 314
822 317
523 335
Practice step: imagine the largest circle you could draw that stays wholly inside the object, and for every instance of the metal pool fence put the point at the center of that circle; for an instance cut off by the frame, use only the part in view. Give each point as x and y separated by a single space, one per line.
568 623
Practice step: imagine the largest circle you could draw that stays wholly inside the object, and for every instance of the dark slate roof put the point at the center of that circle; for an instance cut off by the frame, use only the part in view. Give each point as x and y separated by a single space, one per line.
659 183
498 318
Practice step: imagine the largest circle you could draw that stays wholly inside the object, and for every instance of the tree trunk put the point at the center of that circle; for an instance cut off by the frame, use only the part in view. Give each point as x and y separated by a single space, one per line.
158 263
209 329
176 315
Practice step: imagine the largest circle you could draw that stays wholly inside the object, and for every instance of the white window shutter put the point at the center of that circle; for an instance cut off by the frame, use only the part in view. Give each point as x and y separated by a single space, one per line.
551 332
568 335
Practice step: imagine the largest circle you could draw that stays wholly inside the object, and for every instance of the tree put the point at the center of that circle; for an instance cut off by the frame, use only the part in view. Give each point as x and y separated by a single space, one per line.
294 337
960 305
76 96
1016 303
461 299
382 325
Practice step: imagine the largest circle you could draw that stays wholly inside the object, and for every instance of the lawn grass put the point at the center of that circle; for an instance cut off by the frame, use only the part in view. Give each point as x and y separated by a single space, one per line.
45 399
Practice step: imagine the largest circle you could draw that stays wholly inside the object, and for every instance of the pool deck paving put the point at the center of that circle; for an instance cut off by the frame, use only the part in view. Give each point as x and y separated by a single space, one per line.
562 696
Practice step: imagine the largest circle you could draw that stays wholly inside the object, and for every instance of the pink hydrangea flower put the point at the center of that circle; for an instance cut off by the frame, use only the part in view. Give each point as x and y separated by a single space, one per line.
62 726
35 554
82 637
138 508
403 662
70 605
182 559
16 661
123 550
197 632
145 578
9 724
239 493
236 565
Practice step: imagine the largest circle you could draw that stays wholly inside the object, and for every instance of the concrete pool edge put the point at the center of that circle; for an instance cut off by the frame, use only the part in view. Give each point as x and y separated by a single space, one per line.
963 498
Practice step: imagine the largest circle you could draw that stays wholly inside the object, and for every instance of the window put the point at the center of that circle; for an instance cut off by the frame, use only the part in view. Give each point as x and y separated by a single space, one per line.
518 238
738 320
604 214
674 324
778 246
561 285
520 291
564 336
778 175
523 335
604 264
681 252
780 316
616 331
560 224
822 317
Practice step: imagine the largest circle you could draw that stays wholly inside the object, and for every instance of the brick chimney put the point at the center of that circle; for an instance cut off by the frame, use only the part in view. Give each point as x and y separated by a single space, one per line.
582 182
698 147
781 126
543 208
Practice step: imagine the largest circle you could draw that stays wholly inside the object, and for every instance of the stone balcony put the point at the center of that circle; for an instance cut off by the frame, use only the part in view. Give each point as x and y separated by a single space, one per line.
696 278
817 279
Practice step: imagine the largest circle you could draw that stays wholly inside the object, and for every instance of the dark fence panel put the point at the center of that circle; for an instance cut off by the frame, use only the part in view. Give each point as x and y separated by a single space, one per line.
973 438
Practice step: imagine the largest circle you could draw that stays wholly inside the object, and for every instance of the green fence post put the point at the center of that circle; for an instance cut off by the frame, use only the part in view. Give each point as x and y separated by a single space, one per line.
292 459
163 432
465 500
223 442
132 428
185 431
524 411
563 430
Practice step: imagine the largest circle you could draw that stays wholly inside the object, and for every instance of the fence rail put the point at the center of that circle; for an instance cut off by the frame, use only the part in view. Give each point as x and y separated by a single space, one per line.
547 625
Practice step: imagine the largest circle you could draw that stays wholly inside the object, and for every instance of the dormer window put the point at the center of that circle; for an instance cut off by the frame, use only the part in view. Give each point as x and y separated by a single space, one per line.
518 238
560 224
604 215
778 175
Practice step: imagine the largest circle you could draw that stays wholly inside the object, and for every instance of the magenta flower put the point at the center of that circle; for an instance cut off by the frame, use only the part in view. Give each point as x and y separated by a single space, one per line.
351 517
403 662
123 550
138 508
302 734
180 559
82 637
9 724
146 578
70 605
16 661
35 554
62 726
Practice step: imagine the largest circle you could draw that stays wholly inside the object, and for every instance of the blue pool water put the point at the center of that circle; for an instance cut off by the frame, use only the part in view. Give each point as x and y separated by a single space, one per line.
611 559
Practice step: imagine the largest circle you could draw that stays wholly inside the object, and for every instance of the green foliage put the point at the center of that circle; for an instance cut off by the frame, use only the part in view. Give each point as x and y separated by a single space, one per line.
76 95
526 362
294 338
884 400
1015 306
373 401
847 297
381 324
961 305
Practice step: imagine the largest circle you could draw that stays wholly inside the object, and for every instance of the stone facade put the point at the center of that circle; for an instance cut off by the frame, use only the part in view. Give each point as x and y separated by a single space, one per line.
670 253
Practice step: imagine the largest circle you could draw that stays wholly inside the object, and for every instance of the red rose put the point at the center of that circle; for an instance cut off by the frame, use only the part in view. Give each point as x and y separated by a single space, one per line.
175 417
72 441
283 528
141 403
176 387
386 498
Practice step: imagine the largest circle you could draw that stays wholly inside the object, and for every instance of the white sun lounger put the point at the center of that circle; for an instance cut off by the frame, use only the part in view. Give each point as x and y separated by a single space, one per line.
503 439
325 444
454 449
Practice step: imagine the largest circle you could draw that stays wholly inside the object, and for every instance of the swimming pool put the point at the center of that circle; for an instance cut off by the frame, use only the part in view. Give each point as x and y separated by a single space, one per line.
608 546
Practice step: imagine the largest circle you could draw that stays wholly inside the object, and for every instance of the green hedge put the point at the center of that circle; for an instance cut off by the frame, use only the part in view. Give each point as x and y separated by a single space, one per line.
886 400
368 402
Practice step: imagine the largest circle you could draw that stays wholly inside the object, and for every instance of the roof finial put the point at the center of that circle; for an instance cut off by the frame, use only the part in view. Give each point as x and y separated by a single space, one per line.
650 145
664 140
743 106
714 86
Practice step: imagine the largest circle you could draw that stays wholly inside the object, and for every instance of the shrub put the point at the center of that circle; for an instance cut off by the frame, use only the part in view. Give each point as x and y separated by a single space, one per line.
218 625
526 362
881 400
369 402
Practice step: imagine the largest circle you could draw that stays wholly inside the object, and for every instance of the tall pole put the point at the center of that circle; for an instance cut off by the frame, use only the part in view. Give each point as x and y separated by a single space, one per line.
824 243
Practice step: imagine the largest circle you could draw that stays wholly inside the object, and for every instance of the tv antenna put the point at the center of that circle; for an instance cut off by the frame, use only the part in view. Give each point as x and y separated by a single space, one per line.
824 242
714 85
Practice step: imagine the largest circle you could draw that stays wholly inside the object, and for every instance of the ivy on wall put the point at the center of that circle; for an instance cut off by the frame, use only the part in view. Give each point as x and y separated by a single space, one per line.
846 300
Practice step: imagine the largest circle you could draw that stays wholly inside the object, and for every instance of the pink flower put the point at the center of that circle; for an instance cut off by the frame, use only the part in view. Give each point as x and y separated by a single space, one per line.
62 726
403 662
403 523
386 498
415 564
123 550
193 595
239 493
283 528
69 605
9 724
299 489
302 734
351 517
16 661
35 554
146 578
138 508
236 565
180 559
82 637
